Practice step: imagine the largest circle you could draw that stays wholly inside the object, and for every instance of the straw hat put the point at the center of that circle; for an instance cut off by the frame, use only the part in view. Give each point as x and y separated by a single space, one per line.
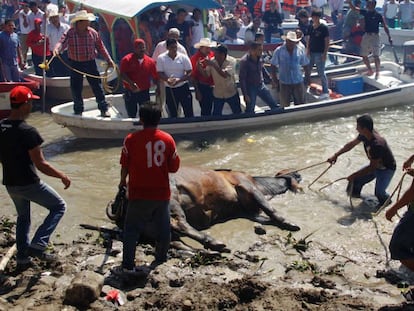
83 15
228 16
291 36
53 13
204 42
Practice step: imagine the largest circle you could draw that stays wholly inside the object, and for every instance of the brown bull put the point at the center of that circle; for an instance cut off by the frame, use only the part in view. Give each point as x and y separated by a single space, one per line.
201 198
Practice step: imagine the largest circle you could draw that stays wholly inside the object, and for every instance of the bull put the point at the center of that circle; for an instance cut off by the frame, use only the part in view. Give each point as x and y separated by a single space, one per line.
201 198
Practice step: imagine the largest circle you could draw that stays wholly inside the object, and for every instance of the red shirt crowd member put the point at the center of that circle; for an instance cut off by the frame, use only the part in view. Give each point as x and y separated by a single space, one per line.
203 84
36 41
137 72
147 157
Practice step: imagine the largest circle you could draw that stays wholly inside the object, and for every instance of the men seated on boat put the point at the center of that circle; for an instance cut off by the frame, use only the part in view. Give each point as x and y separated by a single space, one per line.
289 60
203 85
251 79
406 14
272 20
402 241
83 44
371 39
222 69
174 69
231 26
36 41
381 161
10 53
391 11
55 31
137 71
249 35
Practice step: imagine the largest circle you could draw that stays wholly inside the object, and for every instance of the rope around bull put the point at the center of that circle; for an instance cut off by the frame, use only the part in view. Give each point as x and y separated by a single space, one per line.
104 77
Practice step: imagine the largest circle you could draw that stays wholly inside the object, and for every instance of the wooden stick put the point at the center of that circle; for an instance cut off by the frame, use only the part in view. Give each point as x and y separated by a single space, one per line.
331 183
320 176
5 260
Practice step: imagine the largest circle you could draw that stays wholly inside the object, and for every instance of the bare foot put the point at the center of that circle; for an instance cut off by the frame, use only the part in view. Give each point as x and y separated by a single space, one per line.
376 75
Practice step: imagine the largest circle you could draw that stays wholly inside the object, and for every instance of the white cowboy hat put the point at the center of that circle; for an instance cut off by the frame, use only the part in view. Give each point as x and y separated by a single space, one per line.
53 13
83 15
204 42
291 36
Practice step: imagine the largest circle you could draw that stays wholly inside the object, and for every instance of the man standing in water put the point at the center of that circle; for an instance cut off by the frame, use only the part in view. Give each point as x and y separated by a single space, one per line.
20 155
381 161
147 157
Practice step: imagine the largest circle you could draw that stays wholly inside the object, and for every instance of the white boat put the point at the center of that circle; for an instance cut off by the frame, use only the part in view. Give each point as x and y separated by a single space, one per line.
398 36
58 88
393 87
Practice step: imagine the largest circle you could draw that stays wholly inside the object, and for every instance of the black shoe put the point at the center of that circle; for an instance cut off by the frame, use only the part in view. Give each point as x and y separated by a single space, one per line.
78 113
105 114
41 255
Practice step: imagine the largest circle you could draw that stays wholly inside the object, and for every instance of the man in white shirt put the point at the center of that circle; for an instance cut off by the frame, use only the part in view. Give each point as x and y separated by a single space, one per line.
25 28
36 13
390 10
197 28
55 30
173 33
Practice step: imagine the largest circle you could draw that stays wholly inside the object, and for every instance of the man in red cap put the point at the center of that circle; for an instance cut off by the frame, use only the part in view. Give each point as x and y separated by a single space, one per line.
137 70
20 155
36 41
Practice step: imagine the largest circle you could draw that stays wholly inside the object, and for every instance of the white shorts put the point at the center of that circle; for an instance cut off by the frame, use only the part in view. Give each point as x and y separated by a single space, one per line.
370 44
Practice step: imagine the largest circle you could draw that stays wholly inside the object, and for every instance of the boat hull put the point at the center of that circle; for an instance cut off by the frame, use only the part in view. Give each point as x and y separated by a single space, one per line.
398 35
5 88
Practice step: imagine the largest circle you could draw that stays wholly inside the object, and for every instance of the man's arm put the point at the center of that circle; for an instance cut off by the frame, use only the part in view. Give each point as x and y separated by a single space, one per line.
36 155
123 179
406 198
347 147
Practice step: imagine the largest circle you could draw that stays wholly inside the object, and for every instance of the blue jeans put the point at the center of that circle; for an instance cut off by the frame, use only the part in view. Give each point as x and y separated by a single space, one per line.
316 59
140 214
76 85
11 73
234 103
44 195
383 179
263 92
132 99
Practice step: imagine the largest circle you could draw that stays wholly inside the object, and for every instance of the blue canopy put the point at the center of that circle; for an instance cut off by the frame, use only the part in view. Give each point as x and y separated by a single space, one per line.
129 9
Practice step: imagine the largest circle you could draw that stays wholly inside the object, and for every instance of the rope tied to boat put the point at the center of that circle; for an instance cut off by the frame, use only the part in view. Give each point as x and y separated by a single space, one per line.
104 77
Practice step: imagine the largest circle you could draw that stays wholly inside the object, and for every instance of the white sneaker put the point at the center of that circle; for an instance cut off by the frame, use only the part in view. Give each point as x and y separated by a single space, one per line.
324 96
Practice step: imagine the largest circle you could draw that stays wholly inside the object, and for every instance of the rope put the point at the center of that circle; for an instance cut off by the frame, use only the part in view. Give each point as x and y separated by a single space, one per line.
331 183
307 167
104 77
387 202
320 175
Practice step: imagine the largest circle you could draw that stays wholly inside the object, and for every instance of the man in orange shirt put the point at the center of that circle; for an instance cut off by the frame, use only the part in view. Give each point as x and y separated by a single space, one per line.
203 84
147 157
137 70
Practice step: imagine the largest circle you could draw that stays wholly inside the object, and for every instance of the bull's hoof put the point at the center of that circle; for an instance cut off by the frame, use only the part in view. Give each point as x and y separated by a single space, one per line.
289 227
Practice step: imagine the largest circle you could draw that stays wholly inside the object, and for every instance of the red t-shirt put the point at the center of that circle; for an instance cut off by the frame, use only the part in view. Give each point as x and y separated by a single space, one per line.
140 73
196 74
149 155
33 42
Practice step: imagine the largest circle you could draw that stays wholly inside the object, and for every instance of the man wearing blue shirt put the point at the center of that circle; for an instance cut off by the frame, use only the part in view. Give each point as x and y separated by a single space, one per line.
289 58
10 53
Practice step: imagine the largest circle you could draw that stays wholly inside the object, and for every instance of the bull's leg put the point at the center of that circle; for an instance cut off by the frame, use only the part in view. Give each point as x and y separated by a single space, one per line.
250 195
183 228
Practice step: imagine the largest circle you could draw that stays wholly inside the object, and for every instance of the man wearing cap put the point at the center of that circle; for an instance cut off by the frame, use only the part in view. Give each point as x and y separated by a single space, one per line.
10 53
83 44
222 69
371 40
203 85
137 71
288 60
317 50
36 41
55 31
21 155
175 70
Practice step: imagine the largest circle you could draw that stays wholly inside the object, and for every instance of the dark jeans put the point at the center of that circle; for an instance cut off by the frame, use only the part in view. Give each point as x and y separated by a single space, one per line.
263 92
57 68
269 31
37 60
76 85
206 102
142 215
179 95
132 99
234 103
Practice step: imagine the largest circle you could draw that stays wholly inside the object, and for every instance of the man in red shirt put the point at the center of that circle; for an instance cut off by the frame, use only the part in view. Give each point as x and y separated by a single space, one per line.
36 41
137 71
147 157
203 84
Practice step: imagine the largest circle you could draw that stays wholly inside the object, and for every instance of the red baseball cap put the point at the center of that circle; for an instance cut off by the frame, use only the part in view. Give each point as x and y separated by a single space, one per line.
138 42
21 95
38 21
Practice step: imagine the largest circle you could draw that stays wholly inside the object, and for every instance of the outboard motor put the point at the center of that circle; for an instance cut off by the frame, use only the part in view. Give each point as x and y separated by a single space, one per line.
409 57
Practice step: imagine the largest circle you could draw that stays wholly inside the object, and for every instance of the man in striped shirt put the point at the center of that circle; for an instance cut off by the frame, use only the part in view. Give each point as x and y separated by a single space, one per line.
83 44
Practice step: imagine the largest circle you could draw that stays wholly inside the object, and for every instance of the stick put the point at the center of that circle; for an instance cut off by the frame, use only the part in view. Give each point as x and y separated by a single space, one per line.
320 175
5 260
387 201
395 53
331 183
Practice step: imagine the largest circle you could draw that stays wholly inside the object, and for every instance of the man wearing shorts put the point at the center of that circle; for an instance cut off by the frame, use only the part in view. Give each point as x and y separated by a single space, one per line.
371 40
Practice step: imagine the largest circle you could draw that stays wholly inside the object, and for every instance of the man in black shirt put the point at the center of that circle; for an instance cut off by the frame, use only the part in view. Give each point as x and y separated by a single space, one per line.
20 155
371 40
272 22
